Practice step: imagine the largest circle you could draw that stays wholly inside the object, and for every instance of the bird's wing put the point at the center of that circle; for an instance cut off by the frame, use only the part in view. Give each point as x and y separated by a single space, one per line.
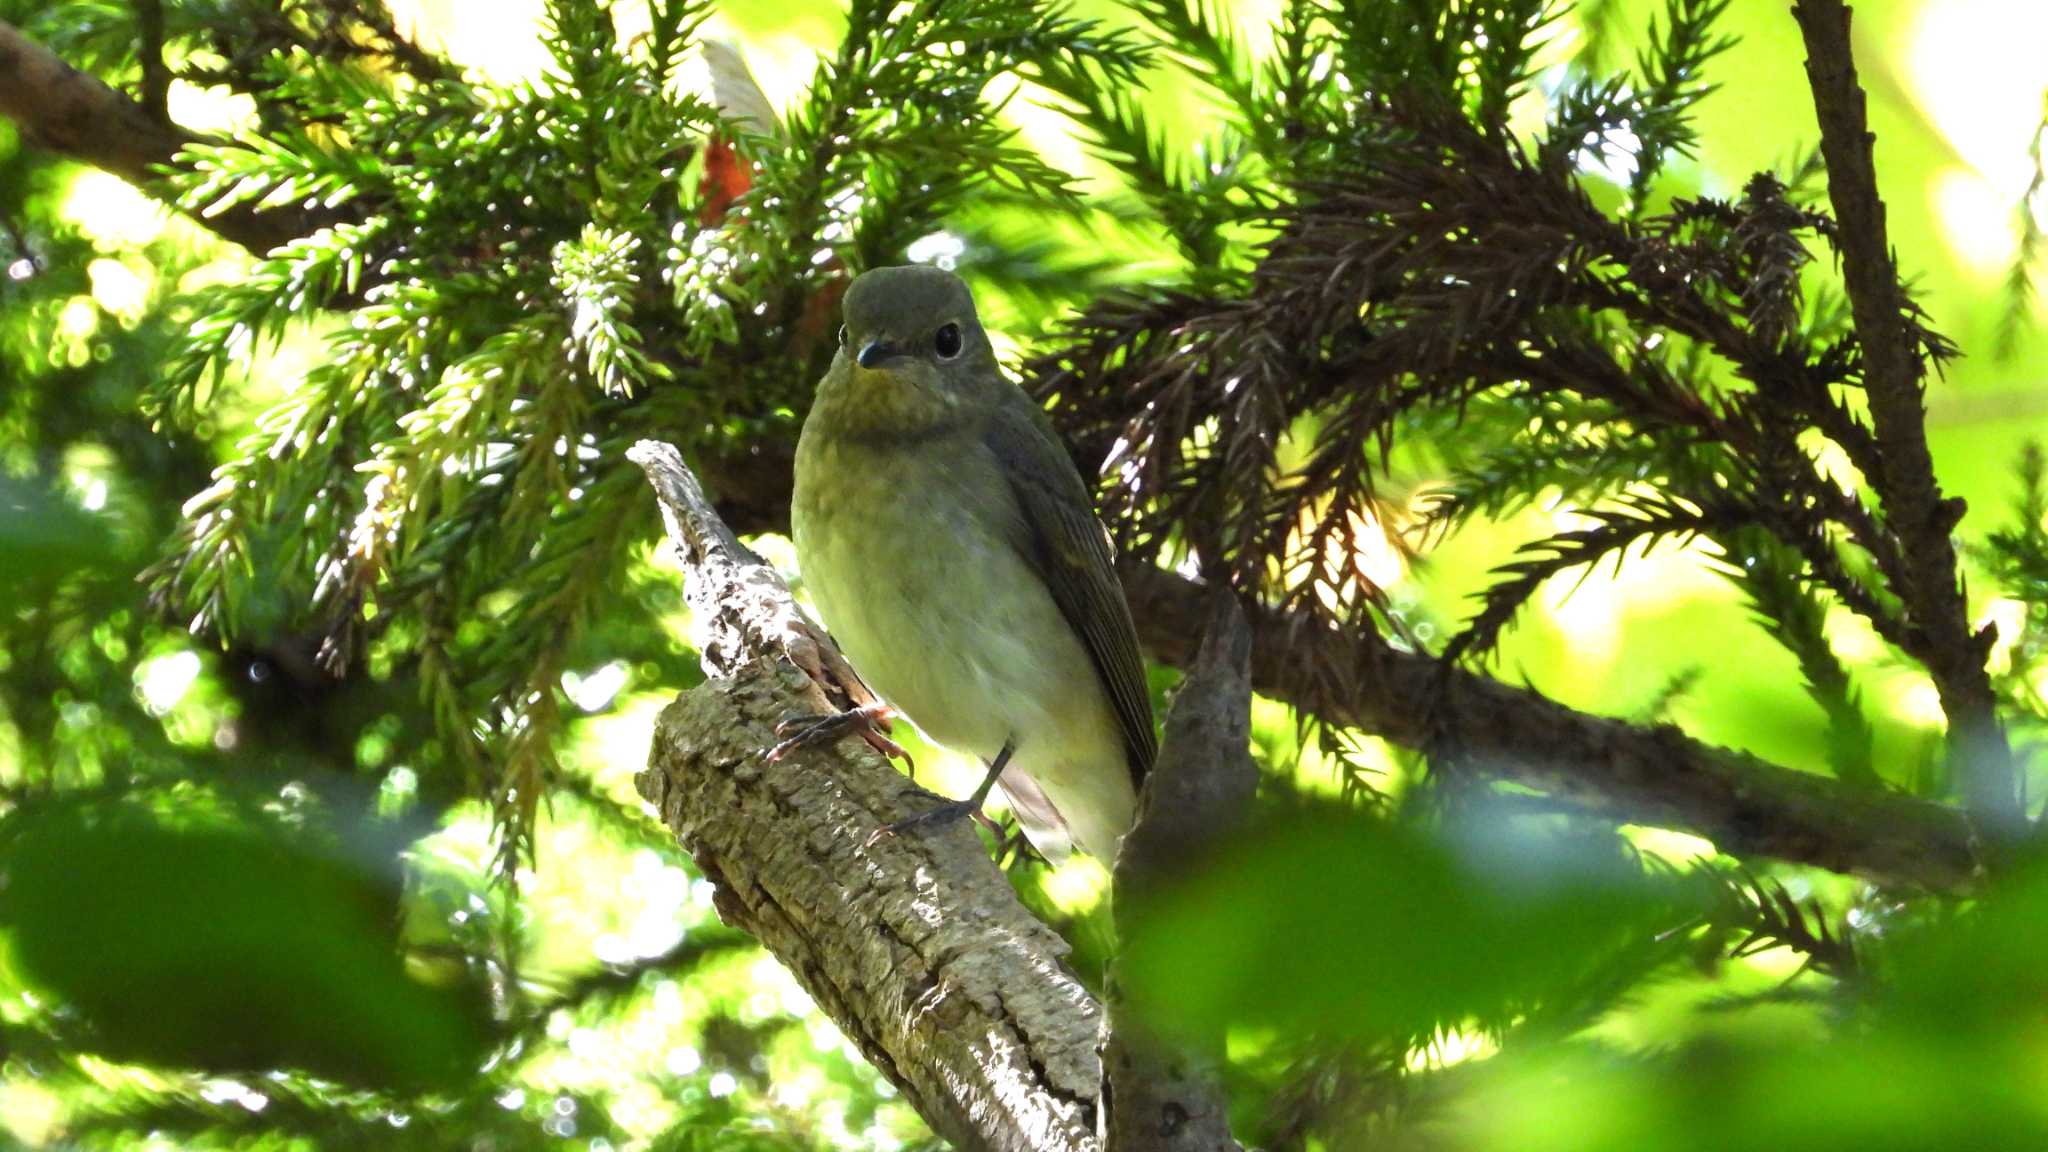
1065 542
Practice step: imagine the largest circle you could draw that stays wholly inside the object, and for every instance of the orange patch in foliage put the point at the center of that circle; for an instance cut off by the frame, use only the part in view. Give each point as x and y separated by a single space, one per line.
726 179
821 312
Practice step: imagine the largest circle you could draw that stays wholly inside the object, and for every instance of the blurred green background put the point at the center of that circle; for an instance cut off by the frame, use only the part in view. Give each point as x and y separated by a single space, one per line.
247 905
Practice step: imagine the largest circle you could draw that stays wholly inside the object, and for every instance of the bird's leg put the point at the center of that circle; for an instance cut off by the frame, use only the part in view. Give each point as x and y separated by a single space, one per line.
870 720
955 809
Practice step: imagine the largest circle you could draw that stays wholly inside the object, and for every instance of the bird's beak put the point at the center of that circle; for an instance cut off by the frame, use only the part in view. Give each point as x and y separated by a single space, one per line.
874 352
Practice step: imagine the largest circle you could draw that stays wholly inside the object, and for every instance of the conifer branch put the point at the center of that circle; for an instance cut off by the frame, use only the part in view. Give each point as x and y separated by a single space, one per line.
62 110
1896 349
1651 774
1642 774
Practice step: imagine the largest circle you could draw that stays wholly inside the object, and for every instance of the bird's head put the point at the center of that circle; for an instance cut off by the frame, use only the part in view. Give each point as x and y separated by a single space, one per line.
912 349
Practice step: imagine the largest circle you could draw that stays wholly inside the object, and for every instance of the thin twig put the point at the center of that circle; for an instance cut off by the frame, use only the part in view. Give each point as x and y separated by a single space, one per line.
2019 283
156 77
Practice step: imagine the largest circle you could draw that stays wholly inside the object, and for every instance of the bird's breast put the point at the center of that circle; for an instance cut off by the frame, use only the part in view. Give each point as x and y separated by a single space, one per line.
909 558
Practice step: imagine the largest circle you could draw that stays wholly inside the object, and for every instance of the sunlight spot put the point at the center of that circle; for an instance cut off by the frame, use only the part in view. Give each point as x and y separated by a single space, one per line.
1976 220
1916 701
723 1084
210 111
611 948
118 289
1978 73
78 320
1669 844
2009 617
668 1004
161 683
1077 885
112 211
941 248
1613 154
1852 637
1451 1047
793 1094
225 1092
684 1061
594 692
30 1112
500 40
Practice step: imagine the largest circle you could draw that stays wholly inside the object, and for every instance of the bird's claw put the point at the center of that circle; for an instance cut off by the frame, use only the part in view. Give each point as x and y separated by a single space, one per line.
1014 848
945 813
870 720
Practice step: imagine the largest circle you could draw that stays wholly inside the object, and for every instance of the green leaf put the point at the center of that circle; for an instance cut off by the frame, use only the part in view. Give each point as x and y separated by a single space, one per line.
201 941
1359 929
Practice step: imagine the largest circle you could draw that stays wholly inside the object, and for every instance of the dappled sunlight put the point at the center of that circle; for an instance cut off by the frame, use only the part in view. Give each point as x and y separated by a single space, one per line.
1596 608
1077 885
1977 70
1669 845
213 111
500 39
1978 219
118 215
1449 1048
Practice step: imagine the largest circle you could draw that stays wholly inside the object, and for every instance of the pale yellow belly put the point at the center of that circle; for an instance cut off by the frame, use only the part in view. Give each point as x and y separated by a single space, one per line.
921 586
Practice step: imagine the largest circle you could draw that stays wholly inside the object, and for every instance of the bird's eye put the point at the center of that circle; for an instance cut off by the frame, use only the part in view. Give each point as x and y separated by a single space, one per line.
947 341
842 336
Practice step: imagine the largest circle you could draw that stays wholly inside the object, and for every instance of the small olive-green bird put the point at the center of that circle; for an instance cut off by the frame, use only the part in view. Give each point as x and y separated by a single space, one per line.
951 548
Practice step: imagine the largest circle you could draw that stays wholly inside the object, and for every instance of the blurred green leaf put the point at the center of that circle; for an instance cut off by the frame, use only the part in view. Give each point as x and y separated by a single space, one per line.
1365 930
44 536
232 947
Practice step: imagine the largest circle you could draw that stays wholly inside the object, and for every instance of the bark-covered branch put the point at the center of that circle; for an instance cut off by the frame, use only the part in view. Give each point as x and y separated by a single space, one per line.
915 945
1158 1097
1893 370
65 111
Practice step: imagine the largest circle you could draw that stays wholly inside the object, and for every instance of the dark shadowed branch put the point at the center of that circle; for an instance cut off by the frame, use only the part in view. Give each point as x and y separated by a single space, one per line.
1159 1097
915 945
1895 357
65 111
1643 774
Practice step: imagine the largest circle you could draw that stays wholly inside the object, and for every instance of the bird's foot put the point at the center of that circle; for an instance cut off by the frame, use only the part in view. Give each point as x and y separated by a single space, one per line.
945 813
870 720
1014 848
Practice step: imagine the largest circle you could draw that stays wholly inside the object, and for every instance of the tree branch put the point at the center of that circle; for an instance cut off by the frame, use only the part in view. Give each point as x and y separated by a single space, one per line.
1892 378
1158 1098
156 78
915 945
1642 775
65 111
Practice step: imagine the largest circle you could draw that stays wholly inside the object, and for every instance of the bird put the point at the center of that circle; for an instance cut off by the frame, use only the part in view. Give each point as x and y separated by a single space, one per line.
952 549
